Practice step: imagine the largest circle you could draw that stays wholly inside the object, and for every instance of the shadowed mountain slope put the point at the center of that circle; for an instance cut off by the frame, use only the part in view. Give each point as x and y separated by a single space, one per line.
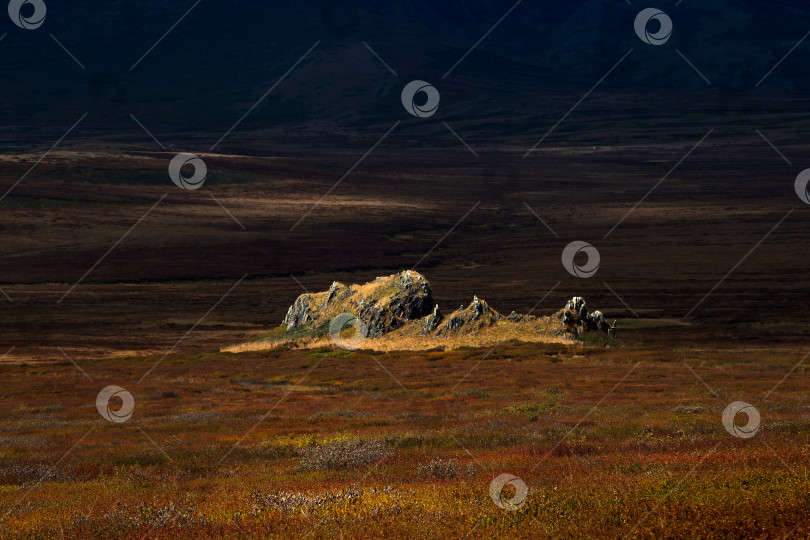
222 59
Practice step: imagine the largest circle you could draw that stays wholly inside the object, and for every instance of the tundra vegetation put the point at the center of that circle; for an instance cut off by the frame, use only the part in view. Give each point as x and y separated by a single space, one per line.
613 438
282 443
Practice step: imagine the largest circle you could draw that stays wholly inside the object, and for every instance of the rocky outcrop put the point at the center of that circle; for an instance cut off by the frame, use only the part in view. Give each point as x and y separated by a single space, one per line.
299 313
412 299
432 321
468 320
384 305
596 321
332 292
575 304
577 320
403 303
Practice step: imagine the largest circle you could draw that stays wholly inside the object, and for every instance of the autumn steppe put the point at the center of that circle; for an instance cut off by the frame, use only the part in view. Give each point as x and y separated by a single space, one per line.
616 442
612 438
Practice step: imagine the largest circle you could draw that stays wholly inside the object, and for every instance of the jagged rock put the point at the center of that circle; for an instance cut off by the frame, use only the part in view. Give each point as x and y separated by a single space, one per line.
596 321
332 291
576 318
414 300
403 302
454 325
432 322
299 313
384 305
376 321
567 317
578 306
470 319
575 304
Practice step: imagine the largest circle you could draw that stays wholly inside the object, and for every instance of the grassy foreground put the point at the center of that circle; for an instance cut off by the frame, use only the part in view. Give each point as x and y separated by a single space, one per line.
620 442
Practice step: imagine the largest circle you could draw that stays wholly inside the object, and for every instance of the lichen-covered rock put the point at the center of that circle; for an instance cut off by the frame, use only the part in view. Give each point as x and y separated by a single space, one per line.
384 305
332 292
403 303
432 321
596 321
299 313
378 321
468 320
413 299
576 319
575 304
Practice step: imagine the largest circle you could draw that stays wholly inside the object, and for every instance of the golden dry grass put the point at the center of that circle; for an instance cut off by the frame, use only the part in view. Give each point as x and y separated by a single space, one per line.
408 339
